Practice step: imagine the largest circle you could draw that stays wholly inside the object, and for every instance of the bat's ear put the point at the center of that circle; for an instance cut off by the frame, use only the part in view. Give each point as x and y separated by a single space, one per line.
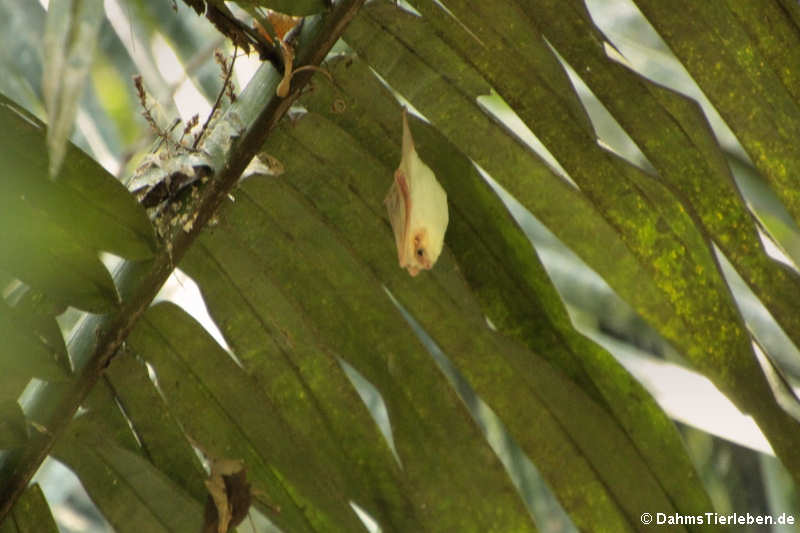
408 141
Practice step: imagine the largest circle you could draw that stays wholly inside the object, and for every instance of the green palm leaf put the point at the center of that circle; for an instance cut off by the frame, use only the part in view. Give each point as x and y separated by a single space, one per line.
344 386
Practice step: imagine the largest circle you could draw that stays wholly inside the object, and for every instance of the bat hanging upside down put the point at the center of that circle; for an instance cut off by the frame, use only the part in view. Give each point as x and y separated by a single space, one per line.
417 207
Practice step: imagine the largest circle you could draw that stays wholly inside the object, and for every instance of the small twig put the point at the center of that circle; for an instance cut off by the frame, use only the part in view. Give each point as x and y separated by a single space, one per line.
216 105
137 81
231 92
221 61
288 72
228 85
162 134
189 127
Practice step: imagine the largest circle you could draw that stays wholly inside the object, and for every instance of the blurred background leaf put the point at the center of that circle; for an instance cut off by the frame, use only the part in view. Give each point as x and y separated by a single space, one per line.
70 37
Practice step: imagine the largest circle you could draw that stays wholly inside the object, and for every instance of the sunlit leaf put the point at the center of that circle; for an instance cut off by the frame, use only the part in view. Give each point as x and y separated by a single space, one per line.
727 49
674 135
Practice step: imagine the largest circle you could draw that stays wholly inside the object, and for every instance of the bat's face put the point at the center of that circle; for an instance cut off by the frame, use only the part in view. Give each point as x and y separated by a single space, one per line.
417 207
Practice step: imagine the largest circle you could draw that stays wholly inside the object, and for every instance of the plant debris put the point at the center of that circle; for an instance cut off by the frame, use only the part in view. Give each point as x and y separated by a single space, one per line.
229 496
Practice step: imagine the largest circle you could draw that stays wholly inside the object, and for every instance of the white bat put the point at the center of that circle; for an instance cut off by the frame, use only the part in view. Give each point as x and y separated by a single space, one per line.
417 207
